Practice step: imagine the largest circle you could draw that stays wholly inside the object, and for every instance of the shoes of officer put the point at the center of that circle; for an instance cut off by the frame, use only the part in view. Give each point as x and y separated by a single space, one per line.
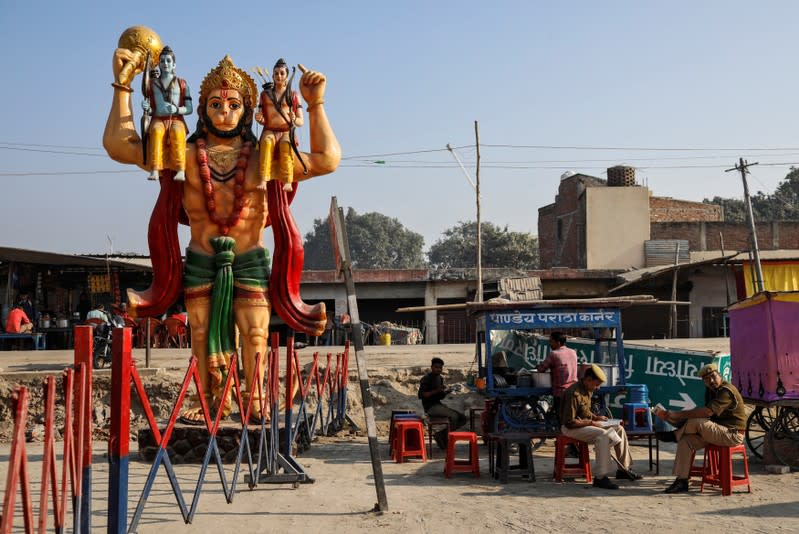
628 474
605 483
441 439
666 437
680 485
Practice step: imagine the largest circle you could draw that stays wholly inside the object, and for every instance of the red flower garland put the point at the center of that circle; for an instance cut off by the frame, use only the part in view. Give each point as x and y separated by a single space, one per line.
208 186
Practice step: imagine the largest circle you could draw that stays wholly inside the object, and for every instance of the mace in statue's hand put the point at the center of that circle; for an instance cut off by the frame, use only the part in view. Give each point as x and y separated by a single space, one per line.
122 56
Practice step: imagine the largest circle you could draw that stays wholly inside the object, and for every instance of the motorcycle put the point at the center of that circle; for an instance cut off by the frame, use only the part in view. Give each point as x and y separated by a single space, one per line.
101 353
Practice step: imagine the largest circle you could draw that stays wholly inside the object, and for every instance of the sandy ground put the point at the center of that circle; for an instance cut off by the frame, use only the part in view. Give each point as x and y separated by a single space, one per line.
420 499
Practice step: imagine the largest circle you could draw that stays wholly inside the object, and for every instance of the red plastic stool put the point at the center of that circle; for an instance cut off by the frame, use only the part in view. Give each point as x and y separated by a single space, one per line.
582 467
697 470
717 468
409 440
398 415
462 466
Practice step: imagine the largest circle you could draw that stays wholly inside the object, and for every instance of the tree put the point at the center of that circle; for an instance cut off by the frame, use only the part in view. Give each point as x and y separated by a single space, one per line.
500 248
782 205
376 242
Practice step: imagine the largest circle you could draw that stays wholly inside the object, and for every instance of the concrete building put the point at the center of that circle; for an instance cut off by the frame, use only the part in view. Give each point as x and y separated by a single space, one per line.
673 249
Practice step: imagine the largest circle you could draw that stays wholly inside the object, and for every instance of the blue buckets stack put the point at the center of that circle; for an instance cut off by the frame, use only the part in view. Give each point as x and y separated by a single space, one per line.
636 413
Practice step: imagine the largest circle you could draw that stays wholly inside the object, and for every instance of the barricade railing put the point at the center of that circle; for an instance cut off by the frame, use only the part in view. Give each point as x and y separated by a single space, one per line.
76 451
325 410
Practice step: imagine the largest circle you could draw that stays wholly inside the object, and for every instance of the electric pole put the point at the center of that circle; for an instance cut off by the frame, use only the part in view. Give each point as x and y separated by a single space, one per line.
743 167
479 295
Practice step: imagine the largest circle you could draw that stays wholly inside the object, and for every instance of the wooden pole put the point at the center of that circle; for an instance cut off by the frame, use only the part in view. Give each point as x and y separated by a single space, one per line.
673 314
341 245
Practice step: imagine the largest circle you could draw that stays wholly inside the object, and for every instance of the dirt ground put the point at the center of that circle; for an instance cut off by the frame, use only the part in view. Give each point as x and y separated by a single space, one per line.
420 499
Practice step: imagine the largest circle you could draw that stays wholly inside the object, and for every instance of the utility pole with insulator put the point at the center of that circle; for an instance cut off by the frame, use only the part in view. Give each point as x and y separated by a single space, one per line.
743 168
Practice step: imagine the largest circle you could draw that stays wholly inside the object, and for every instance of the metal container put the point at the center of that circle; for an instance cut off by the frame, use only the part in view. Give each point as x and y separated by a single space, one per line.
62 323
524 380
45 323
541 380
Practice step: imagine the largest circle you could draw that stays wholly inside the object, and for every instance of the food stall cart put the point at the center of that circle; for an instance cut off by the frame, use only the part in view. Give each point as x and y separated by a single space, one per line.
764 350
520 401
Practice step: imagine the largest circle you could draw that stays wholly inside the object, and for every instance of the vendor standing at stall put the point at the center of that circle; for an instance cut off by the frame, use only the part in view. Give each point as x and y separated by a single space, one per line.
561 362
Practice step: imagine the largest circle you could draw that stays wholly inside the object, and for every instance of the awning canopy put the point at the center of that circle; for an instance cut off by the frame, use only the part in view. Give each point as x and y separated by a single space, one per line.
21 255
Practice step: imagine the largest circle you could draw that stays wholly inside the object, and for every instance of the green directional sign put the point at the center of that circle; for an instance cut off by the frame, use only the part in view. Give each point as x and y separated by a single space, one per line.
669 374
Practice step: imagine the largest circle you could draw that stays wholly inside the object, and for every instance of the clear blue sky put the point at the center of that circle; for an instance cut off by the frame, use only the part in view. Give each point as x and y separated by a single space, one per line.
411 77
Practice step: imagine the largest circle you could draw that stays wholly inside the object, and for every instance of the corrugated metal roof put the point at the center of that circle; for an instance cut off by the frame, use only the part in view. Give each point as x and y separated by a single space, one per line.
520 289
663 251
631 277
21 255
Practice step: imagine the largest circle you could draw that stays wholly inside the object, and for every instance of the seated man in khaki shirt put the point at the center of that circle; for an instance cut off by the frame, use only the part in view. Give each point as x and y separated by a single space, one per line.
578 422
722 421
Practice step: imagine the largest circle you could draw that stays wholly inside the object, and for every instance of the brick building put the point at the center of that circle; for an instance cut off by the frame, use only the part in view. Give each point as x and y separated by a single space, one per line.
617 225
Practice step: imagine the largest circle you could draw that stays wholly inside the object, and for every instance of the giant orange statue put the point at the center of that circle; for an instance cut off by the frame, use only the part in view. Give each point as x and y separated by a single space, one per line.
226 278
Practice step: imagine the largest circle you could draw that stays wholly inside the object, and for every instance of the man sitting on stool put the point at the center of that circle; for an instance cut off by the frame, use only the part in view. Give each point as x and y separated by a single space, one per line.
432 391
722 422
578 422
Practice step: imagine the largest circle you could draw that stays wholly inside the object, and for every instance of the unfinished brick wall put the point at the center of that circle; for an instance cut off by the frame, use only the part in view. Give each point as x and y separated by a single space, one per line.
705 235
667 209
568 209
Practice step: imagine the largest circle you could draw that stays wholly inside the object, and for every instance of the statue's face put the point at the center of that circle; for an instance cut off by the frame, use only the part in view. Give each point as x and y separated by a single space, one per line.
280 74
224 108
166 64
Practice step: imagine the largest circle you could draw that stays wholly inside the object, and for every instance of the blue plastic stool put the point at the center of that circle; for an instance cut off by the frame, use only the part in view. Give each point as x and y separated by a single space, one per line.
637 417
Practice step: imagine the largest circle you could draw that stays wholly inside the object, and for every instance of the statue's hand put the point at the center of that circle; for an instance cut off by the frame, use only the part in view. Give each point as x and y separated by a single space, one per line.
172 109
259 117
312 85
121 57
145 105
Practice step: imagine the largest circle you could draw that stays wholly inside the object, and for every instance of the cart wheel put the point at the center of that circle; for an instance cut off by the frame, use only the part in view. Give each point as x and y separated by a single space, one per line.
757 426
522 414
786 428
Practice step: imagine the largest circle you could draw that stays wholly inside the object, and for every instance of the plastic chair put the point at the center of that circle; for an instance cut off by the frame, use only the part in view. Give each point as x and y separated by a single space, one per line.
175 333
155 332
564 468
470 465
717 468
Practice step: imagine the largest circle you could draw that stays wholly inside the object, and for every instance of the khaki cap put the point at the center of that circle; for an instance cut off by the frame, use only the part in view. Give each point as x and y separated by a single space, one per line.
598 372
707 369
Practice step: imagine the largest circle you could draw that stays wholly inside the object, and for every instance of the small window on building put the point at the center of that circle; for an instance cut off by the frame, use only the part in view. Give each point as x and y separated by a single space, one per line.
715 322
560 229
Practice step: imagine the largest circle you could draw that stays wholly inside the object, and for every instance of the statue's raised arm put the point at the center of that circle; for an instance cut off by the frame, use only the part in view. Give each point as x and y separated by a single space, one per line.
325 152
120 139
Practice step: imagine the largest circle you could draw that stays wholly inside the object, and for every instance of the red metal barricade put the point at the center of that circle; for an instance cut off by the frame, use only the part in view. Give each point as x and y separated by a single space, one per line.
76 453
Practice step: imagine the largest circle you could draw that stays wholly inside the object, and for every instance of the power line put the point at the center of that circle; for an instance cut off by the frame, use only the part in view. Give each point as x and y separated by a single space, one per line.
52 146
63 173
53 151
641 149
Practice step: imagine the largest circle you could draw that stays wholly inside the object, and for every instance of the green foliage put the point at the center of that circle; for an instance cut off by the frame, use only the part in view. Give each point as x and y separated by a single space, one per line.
501 248
376 242
782 205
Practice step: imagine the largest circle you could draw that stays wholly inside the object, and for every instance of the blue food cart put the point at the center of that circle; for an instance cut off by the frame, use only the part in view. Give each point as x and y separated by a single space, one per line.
522 401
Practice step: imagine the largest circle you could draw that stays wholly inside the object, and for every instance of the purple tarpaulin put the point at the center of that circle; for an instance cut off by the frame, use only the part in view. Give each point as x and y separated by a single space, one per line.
764 346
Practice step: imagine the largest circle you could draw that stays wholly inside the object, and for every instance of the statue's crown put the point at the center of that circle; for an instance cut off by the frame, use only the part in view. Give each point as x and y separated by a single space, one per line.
227 76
